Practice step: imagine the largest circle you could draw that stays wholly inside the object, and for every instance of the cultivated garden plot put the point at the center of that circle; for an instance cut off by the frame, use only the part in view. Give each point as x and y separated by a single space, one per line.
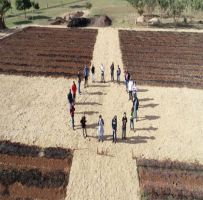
47 51
170 180
163 58
31 172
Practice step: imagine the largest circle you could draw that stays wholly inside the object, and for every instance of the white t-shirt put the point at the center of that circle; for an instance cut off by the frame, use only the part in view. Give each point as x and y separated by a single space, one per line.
130 86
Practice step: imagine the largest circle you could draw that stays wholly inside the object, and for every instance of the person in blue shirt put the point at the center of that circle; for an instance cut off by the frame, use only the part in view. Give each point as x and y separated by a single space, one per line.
86 74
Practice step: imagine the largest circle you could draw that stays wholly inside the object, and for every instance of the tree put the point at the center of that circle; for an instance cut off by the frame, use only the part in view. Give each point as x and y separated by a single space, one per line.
23 5
197 4
150 5
138 5
5 5
35 5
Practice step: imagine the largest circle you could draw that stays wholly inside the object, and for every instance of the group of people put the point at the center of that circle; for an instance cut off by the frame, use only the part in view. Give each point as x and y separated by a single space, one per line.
130 88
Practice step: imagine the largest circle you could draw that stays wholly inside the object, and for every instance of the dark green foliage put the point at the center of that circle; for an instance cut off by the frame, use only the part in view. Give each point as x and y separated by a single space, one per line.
23 5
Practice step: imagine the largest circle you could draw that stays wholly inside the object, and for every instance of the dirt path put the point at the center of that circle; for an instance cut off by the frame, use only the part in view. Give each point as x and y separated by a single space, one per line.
96 176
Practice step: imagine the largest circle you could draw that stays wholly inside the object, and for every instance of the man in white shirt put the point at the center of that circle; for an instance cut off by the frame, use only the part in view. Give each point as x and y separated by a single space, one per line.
130 89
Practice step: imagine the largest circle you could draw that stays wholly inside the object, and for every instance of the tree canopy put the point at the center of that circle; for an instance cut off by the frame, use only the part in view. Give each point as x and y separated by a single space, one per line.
174 7
23 5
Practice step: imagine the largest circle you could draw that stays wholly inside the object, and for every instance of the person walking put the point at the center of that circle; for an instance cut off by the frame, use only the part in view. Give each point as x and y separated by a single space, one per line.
124 123
93 73
132 119
112 71
100 129
86 74
130 89
102 73
114 128
72 113
135 106
74 90
70 99
118 74
79 82
83 124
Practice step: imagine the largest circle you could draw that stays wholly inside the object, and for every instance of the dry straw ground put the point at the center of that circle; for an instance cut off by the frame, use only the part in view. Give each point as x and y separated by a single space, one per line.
170 124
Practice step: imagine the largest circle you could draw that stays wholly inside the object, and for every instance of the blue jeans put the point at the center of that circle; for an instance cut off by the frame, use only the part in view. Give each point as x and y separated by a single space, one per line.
114 136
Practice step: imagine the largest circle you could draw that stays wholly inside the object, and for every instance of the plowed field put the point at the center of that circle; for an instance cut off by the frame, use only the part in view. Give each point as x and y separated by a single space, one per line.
47 51
31 172
170 180
163 58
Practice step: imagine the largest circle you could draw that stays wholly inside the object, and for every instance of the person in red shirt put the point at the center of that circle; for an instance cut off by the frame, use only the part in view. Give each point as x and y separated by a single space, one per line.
74 90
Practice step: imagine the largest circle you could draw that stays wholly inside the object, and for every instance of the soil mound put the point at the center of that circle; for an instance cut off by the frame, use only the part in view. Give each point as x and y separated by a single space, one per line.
101 21
78 22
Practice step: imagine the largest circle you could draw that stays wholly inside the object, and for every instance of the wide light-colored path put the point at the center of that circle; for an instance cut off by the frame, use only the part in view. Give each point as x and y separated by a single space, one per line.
170 125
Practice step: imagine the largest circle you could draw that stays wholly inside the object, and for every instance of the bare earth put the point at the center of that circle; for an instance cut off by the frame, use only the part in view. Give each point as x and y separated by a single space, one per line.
170 124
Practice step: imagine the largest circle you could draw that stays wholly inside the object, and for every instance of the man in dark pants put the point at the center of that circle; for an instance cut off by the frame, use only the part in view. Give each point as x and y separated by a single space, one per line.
72 113
93 73
83 124
79 82
112 71
114 127
124 123
70 99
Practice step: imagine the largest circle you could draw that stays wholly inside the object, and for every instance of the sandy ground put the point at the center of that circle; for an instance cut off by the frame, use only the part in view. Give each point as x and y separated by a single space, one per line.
170 124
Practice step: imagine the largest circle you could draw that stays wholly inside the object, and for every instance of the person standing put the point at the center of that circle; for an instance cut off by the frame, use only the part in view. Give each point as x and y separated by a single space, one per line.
102 73
74 90
70 99
83 124
112 71
127 79
118 74
134 91
72 113
93 73
135 106
86 74
130 89
124 123
79 82
100 129
132 119
114 128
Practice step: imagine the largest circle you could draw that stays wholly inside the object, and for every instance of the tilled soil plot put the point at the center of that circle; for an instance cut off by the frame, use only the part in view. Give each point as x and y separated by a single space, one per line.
163 58
47 51
170 180
31 172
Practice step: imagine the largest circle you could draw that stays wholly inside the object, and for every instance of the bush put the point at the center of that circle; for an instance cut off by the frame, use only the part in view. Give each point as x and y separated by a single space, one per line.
88 5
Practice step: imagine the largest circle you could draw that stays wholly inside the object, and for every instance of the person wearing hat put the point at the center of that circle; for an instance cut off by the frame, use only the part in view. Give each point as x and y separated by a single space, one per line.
114 128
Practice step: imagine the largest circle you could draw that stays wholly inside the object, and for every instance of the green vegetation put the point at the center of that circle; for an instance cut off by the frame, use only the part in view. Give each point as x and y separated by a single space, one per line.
5 5
122 12
173 7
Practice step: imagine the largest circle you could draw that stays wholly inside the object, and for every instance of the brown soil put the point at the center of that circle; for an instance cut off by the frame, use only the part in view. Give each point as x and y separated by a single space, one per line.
166 179
18 190
31 172
163 58
47 51
44 164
